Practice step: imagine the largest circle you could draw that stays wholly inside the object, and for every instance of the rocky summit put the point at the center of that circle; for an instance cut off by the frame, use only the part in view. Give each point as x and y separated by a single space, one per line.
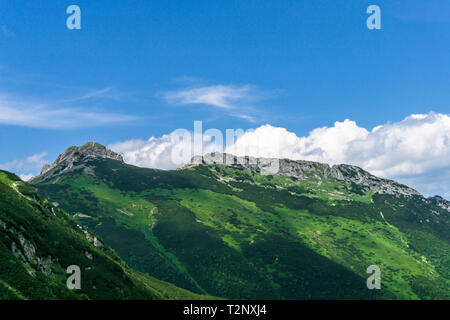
76 158
302 169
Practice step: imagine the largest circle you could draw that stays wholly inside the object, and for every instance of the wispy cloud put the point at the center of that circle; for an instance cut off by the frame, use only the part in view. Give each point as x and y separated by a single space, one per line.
37 114
237 101
6 32
27 166
220 96
30 163
105 93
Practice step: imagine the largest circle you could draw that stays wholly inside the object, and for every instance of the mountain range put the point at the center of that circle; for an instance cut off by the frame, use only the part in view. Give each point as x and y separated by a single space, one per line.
221 226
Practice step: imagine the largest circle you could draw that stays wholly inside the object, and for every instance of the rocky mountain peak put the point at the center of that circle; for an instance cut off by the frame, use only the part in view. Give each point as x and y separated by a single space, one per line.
74 158
302 169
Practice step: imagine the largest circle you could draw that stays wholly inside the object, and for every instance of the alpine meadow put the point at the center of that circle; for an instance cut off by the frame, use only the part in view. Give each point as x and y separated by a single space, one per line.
308 232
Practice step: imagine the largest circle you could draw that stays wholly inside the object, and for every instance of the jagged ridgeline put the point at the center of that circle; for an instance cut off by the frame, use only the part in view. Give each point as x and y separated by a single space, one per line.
38 242
229 229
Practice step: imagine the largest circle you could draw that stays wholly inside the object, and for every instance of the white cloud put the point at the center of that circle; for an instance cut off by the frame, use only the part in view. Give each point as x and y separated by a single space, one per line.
218 96
6 32
26 177
415 151
105 93
235 100
167 152
41 115
33 163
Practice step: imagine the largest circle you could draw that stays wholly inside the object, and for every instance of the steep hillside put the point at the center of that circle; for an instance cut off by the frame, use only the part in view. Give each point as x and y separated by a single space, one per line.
38 242
307 232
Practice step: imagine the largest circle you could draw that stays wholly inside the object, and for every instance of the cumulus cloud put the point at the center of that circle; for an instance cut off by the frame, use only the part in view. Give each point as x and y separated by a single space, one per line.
151 153
413 146
26 177
169 151
25 167
415 150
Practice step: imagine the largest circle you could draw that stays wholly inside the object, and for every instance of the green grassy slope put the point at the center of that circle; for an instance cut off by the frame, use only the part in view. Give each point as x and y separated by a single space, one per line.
237 234
38 243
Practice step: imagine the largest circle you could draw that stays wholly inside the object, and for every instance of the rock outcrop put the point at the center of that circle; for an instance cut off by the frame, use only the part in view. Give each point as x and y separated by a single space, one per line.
301 169
26 252
76 158
440 202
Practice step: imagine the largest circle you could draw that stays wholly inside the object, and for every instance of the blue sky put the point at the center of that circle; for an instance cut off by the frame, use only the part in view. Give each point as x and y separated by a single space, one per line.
144 68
